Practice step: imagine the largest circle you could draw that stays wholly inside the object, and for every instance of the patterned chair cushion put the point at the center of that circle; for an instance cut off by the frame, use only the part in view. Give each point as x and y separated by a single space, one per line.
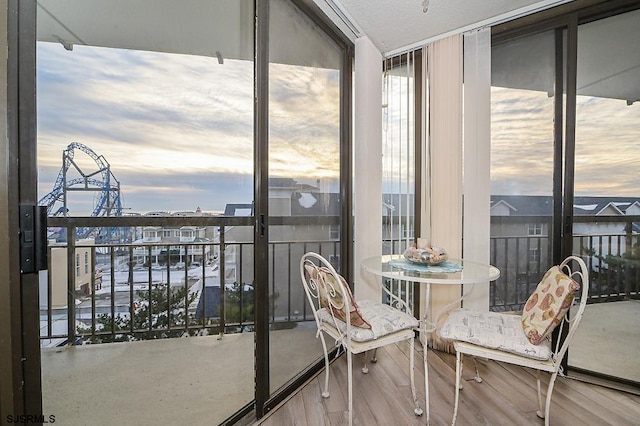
548 304
383 319
326 280
493 330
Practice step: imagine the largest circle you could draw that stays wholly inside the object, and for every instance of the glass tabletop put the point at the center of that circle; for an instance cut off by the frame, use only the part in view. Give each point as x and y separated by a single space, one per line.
471 273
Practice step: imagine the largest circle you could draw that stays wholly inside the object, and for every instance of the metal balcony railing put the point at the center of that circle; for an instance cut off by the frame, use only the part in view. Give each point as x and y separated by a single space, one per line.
135 289
613 259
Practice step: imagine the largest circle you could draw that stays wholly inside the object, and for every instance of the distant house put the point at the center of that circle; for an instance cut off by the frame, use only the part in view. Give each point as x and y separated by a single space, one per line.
172 241
535 212
57 274
521 226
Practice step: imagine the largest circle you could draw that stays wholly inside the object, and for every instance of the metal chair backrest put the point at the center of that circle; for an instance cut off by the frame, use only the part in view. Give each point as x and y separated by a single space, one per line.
579 274
325 289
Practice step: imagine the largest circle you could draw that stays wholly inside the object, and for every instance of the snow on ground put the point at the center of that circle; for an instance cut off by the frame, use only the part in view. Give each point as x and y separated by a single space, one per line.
158 276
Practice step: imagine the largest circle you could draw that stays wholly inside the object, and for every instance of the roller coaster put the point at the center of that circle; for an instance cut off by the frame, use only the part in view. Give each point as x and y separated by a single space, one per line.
108 201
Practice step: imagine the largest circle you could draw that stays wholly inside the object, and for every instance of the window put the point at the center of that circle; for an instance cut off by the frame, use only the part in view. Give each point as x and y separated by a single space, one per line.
522 156
335 261
535 229
534 255
334 232
407 233
77 265
401 104
86 262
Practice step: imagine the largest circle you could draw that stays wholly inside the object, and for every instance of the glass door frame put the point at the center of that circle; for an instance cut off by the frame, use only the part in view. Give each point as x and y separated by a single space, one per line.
21 382
264 400
564 20
24 387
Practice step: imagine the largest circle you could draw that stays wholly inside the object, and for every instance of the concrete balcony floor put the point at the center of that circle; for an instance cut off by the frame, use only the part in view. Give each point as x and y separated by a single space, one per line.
194 380
204 380
608 340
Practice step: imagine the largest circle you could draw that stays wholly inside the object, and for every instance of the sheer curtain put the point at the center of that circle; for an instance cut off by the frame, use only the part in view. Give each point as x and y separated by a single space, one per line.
477 149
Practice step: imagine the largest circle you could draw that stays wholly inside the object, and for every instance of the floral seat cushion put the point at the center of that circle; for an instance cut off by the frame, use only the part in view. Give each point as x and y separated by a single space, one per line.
384 320
332 297
493 330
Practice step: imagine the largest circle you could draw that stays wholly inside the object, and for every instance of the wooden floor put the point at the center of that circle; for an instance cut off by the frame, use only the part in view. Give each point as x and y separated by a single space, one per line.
507 396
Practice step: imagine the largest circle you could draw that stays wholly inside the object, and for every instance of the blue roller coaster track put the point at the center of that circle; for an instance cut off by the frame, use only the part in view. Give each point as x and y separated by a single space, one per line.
101 181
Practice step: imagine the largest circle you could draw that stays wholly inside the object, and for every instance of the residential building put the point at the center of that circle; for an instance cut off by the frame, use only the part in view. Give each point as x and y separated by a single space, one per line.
56 277
177 245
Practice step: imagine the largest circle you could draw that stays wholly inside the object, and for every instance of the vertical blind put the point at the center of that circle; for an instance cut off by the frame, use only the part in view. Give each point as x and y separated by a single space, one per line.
445 154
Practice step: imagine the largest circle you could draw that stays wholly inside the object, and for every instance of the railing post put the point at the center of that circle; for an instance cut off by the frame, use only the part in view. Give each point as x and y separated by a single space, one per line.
132 312
93 291
221 262
628 242
168 251
49 291
71 285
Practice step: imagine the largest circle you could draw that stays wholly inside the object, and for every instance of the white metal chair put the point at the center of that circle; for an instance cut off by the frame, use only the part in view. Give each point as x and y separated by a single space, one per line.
337 313
501 336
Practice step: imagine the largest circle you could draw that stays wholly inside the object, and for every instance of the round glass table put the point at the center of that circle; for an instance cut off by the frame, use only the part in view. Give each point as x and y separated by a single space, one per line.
453 271
470 273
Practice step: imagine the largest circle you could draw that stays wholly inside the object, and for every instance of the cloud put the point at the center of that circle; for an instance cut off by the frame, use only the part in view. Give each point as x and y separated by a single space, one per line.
607 144
177 129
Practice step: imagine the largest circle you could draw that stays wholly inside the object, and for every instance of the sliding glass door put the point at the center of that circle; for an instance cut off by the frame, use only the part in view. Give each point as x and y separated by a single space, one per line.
607 194
145 118
188 154
305 157
565 149
522 165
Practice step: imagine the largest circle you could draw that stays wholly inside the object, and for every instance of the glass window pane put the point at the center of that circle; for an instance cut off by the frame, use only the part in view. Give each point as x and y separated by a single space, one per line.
398 154
522 113
304 177
145 112
607 186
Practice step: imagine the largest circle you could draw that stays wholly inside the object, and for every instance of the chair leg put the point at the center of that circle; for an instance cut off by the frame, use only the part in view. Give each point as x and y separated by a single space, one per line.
426 377
365 369
547 405
459 367
374 358
350 386
539 413
478 379
417 411
325 393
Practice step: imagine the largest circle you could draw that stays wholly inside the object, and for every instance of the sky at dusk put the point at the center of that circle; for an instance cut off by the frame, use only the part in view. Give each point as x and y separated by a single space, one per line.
607 145
177 130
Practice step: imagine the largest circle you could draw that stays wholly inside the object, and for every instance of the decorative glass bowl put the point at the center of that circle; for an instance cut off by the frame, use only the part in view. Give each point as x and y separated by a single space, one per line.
426 256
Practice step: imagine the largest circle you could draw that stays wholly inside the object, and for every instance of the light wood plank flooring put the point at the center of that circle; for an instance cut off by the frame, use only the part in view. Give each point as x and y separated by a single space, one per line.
507 396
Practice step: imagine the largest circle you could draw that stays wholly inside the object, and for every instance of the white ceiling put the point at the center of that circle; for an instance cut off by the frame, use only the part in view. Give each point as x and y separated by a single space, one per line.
608 57
205 27
397 25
